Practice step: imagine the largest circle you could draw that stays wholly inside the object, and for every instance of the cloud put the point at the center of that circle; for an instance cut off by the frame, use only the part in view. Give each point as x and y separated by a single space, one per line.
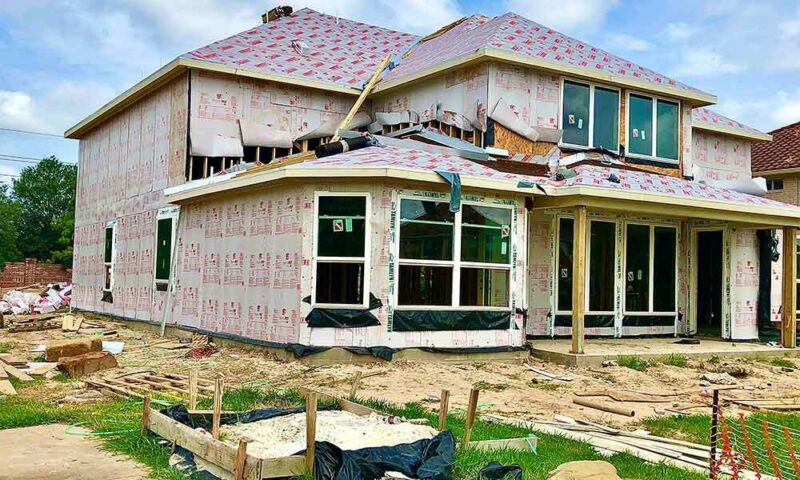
412 16
15 109
703 63
625 42
766 113
577 17
680 31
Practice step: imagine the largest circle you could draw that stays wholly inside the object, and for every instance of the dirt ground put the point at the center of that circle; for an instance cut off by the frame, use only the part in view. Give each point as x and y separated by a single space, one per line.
59 455
506 389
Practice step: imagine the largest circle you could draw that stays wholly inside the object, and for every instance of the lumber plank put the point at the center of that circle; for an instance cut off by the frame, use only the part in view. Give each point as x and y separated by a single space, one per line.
6 388
215 419
15 372
311 430
444 406
578 280
471 412
209 449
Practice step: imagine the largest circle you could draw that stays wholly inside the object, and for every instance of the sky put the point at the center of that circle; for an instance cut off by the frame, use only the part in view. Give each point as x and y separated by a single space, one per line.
61 60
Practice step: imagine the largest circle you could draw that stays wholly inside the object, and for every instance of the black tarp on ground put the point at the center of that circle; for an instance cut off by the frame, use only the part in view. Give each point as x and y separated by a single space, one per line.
430 459
496 471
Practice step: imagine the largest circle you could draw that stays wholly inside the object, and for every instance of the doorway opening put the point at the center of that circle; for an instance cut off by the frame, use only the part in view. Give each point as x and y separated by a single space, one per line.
709 284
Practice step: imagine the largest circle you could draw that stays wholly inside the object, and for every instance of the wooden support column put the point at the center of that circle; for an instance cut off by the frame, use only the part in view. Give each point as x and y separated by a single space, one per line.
578 278
789 304
311 430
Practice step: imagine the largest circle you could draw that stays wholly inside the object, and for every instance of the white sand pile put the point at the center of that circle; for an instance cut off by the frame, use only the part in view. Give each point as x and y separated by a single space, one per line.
286 435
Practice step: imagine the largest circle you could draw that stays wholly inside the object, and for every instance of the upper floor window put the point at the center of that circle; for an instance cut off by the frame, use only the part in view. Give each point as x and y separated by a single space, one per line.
590 116
774 184
653 126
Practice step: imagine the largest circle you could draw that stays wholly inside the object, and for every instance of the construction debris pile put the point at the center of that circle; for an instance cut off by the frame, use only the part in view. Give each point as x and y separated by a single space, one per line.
36 298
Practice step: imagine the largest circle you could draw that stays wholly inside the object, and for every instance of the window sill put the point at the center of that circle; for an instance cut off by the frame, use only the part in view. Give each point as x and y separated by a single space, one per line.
583 148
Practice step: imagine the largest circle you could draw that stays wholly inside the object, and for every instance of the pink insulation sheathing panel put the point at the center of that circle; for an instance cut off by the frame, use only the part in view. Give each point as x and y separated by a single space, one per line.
721 157
239 265
541 246
744 291
309 45
704 116
516 34
150 138
661 184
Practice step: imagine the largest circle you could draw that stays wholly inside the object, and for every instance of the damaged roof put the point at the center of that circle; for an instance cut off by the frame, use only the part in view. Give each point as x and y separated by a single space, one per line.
782 153
706 119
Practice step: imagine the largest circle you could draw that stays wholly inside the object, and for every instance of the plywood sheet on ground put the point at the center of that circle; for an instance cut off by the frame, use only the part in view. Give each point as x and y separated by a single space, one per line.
47 452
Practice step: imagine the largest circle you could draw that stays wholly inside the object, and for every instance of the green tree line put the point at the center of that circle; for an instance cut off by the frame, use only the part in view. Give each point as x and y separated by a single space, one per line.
37 213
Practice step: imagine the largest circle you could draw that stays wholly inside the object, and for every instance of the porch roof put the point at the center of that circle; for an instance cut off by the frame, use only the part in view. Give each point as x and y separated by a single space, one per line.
593 185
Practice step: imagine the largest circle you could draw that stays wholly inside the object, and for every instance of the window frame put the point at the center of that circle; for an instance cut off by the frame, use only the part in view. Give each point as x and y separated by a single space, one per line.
557 273
591 86
654 142
651 263
365 260
588 267
113 226
456 264
173 214
771 181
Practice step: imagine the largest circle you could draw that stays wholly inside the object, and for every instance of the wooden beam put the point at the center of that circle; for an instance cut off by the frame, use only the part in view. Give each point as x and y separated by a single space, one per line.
193 389
360 101
444 405
472 409
311 430
240 462
789 309
356 383
215 419
146 414
578 278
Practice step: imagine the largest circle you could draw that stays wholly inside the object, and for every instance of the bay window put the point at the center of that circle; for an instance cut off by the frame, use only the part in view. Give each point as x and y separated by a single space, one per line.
650 269
590 116
448 259
653 126
341 251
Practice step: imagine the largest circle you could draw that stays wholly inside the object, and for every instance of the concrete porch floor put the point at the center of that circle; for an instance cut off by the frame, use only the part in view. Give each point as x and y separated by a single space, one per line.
599 349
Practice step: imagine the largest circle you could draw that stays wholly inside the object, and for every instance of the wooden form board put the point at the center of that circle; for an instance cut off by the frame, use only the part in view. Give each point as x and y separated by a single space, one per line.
579 279
789 314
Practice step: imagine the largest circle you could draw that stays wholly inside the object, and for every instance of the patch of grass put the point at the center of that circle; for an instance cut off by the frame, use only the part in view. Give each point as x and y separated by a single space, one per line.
547 386
674 360
6 347
490 387
782 362
714 359
633 362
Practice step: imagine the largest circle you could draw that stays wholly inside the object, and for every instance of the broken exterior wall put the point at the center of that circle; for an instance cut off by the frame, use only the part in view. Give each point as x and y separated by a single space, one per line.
223 99
463 91
532 95
124 166
720 157
245 267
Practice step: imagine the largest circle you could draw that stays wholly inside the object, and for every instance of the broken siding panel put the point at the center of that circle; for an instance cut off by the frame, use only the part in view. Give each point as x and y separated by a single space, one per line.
463 91
721 157
532 95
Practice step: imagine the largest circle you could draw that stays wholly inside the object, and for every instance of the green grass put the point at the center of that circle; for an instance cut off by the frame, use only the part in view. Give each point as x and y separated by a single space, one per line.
633 362
123 417
782 362
6 347
674 360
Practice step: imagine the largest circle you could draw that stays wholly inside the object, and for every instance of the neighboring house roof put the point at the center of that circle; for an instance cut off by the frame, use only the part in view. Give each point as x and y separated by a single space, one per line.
309 45
515 38
705 119
782 153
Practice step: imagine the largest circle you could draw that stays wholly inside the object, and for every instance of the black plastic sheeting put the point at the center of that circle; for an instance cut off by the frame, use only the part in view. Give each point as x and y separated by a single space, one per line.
300 351
648 320
428 459
589 321
433 320
344 318
496 471
107 297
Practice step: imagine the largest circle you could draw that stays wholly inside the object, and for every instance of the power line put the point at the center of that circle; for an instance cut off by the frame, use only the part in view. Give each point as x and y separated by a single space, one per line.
31 132
20 159
9 175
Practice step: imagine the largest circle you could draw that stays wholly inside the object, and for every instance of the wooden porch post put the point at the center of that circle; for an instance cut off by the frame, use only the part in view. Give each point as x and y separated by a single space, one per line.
578 278
789 308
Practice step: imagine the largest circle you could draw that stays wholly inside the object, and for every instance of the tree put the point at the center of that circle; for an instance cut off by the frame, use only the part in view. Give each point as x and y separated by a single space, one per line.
45 195
9 212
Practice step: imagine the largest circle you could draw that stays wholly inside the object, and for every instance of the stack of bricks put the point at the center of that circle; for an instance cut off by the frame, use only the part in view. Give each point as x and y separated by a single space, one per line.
31 271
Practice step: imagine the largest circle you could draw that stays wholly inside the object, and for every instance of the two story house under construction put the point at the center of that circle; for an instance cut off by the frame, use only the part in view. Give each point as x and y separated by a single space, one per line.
498 181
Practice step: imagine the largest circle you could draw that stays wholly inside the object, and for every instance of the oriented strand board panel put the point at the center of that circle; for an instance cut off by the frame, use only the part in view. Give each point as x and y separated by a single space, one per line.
124 165
721 157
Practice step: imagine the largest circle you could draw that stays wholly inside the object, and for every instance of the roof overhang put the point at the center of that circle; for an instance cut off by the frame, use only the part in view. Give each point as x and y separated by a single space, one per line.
670 206
696 98
755 136
174 69
777 171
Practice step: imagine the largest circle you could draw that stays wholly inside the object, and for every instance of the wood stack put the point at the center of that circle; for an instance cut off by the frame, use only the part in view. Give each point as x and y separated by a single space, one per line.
149 383
767 404
9 369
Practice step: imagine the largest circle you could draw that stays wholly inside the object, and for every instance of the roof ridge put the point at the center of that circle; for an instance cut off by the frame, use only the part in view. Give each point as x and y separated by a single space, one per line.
797 123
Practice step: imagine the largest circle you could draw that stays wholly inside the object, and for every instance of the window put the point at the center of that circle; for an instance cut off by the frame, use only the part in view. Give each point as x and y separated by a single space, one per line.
342 246
774 184
166 223
650 271
451 259
109 251
590 116
565 244
602 253
653 126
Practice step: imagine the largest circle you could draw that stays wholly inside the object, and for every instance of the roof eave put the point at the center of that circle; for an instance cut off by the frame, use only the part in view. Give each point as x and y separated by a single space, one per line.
755 136
171 71
695 98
